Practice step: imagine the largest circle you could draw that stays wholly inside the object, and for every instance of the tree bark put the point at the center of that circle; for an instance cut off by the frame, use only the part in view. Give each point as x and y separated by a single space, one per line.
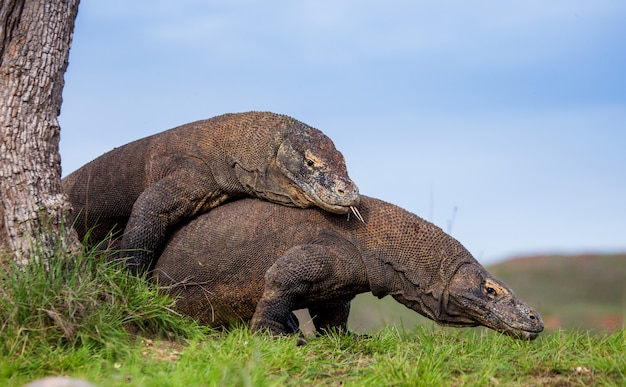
35 39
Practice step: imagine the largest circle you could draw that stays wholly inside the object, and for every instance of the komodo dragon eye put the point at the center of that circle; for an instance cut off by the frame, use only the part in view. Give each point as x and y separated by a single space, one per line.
310 162
491 291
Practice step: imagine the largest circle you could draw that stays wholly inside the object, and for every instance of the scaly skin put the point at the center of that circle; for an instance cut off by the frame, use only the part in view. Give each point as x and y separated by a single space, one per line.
149 186
254 261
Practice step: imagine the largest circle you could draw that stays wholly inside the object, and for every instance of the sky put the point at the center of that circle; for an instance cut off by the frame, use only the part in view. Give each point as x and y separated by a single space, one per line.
504 123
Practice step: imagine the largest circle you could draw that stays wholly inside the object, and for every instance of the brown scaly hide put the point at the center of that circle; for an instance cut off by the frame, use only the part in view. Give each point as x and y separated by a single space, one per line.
149 186
256 262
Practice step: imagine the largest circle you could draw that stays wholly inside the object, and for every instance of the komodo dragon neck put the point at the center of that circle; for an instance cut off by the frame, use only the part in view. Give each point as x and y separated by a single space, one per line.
244 146
407 257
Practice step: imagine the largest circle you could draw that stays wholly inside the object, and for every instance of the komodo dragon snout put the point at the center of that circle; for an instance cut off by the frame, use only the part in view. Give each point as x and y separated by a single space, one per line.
483 300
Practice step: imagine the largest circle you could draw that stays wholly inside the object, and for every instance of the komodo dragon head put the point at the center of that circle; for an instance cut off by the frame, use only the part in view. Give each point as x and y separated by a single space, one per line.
315 171
433 274
474 297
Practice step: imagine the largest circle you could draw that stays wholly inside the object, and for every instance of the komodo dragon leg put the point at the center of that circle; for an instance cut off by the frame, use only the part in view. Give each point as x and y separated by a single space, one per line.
160 208
330 316
308 276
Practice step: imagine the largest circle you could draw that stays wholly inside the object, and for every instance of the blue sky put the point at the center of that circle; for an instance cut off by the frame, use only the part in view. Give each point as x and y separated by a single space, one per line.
501 122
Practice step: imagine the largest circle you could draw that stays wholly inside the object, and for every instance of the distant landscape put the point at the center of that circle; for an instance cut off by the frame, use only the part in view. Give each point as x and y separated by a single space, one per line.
578 291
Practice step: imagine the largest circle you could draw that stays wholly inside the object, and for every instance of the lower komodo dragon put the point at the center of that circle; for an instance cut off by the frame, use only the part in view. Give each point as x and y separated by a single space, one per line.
149 186
257 262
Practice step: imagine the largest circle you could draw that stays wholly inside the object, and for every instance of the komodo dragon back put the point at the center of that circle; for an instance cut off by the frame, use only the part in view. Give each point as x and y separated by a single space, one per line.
149 186
257 262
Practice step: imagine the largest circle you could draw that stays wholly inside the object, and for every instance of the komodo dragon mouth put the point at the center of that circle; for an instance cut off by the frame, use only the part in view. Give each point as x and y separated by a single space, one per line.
352 200
342 199
528 335
524 333
526 324
327 205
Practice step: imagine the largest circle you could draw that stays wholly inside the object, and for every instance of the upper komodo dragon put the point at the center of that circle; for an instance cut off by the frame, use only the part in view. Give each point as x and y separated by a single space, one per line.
149 186
250 260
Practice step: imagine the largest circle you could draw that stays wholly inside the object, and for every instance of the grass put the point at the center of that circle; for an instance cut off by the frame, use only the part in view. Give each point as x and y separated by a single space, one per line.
75 319
58 316
422 356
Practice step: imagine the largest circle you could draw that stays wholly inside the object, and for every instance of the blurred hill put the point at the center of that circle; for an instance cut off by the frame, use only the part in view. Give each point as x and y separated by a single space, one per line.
579 291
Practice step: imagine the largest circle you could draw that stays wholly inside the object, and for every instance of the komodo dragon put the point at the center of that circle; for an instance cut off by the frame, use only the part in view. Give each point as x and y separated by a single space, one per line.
148 186
254 261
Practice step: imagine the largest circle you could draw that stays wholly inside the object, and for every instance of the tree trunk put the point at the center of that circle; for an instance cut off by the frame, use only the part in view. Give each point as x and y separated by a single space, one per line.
35 39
